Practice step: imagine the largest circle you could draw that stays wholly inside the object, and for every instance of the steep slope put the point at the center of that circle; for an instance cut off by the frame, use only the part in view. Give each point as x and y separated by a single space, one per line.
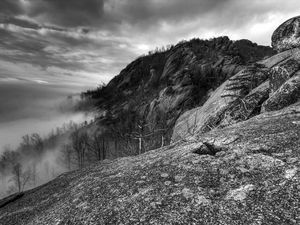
267 85
244 174
154 90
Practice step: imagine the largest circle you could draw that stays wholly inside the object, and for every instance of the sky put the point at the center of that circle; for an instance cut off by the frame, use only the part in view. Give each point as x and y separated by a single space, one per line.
84 42
52 48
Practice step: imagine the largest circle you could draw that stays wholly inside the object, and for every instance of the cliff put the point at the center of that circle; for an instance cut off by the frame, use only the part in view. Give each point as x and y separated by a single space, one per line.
154 90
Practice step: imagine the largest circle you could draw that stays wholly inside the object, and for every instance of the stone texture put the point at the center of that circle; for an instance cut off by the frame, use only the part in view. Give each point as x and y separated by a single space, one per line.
252 178
189 69
287 35
154 79
279 74
247 106
244 95
287 94
209 116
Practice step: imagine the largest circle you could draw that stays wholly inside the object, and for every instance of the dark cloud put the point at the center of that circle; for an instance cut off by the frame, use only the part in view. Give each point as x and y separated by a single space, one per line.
11 7
19 22
136 11
102 36
70 13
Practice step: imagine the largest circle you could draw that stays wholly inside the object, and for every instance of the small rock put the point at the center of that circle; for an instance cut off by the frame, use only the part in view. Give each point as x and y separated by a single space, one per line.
290 173
167 183
241 193
178 178
140 182
164 175
296 122
153 204
201 200
224 171
187 193
292 160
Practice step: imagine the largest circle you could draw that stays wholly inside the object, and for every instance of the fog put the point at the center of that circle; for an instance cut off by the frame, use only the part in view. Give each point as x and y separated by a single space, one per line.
27 108
47 167
30 107
12 132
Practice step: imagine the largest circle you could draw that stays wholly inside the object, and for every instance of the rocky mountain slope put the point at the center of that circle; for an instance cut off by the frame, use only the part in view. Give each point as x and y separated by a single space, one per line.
264 86
235 160
154 90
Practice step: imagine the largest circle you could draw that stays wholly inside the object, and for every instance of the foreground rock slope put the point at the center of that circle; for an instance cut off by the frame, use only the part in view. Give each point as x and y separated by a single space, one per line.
244 174
238 164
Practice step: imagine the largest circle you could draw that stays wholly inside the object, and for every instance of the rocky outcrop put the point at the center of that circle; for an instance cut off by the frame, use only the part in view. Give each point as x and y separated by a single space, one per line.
287 35
287 94
267 85
156 89
279 74
248 173
230 95
246 107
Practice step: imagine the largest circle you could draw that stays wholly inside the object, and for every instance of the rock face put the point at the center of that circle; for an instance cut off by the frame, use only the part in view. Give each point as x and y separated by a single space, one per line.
287 94
248 173
287 35
158 88
267 85
230 95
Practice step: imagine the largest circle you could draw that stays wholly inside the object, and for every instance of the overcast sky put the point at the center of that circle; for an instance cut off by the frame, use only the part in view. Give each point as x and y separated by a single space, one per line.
84 42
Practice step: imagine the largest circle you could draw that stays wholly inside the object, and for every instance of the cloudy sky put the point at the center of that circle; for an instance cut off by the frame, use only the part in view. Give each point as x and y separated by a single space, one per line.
80 42
51 48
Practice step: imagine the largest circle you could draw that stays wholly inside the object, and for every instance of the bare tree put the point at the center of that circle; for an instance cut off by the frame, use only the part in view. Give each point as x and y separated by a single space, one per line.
97 146
20 178
80 143
67 154
38 147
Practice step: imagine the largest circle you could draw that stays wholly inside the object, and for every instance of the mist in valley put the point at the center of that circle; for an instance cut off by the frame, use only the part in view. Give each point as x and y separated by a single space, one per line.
36 121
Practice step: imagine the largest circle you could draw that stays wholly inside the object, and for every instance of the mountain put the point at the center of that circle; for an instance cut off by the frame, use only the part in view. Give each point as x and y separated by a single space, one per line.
150 94
234 152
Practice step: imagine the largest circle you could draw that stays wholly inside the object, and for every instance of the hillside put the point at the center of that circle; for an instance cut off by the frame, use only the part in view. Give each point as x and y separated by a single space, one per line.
150 94
234 152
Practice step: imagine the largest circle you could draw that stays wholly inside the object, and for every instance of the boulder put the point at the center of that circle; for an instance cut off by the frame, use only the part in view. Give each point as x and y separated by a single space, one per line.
286 95
287 35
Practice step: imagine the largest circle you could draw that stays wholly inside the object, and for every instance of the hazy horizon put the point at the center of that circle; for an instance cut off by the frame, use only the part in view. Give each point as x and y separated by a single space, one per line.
28 108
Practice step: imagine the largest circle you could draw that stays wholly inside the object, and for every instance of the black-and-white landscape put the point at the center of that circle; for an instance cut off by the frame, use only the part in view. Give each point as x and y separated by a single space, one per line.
149 112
